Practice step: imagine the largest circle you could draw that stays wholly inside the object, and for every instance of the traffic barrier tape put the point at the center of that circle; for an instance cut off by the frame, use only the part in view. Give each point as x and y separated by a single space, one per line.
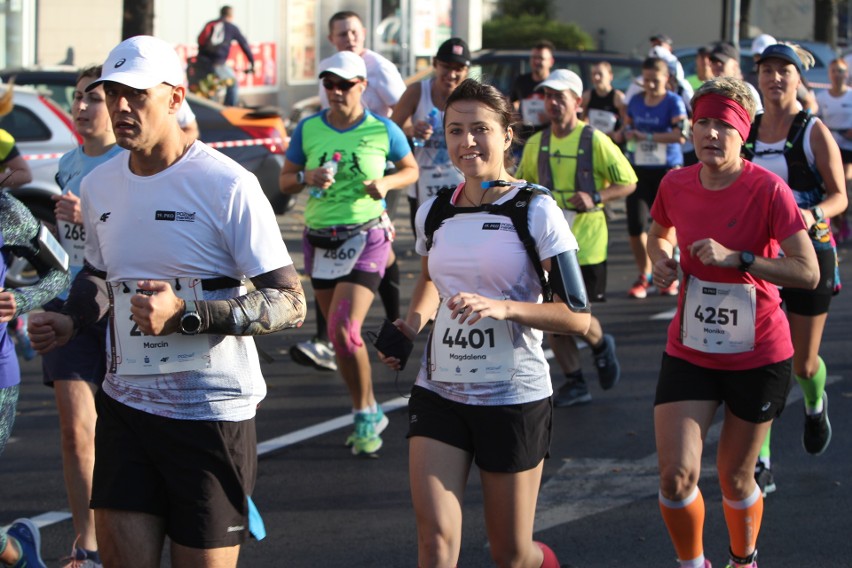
221 144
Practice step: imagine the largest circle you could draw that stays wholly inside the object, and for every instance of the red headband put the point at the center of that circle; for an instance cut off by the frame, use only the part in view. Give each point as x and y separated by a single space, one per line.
725 109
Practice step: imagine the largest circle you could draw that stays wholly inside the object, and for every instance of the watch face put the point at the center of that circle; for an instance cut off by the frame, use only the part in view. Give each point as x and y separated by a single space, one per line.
190 323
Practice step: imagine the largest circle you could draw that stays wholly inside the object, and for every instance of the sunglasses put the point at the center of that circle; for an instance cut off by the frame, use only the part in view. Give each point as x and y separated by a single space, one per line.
344 86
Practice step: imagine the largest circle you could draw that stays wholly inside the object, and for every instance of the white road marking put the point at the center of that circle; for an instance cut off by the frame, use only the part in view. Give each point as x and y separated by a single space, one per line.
667 315
321 428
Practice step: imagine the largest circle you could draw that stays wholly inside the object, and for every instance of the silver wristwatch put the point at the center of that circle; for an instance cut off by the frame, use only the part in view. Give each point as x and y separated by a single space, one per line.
190 321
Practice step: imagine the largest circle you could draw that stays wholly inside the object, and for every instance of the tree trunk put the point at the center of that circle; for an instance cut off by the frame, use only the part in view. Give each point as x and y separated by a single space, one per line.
138 18
825 22
745 18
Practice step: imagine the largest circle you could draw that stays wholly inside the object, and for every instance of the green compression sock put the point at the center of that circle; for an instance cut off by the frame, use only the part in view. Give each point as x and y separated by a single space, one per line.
813 388
764 449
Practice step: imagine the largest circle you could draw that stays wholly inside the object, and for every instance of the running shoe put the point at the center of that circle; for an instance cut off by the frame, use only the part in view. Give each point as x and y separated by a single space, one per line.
817 434
572 393
609 371
314 353
380 422
365 439
764 479
733 564
25 532
670 290
640 288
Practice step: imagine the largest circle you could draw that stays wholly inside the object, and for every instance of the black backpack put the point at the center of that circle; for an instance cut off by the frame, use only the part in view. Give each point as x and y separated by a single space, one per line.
515 209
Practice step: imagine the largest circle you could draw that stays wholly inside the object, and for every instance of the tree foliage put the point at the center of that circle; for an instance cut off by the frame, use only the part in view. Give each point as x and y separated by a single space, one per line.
138 18
517 8
524 31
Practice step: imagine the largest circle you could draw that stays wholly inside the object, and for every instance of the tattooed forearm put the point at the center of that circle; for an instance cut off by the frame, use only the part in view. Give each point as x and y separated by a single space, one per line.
277 303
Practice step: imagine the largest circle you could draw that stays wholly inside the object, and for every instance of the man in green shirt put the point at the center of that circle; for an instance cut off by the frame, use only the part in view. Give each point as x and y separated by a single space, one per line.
559 158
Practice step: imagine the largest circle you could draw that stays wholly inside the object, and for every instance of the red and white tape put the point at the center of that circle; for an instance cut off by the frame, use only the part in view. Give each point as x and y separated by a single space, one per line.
242 143
52 156
222 144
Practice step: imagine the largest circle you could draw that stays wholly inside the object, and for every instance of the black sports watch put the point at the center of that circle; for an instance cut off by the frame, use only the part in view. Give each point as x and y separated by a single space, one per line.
746 260
190 321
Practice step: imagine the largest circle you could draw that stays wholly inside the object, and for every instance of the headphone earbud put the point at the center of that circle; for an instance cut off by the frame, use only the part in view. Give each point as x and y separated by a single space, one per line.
508 138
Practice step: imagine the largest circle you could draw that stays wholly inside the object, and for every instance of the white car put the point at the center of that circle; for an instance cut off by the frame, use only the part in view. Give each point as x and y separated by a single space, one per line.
42 132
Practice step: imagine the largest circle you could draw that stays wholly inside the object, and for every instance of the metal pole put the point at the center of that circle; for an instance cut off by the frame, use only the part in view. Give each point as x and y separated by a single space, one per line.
734 22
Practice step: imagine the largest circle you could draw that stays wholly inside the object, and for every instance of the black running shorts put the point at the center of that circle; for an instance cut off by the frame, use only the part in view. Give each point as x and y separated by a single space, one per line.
754 395
503 439
195 474
814 302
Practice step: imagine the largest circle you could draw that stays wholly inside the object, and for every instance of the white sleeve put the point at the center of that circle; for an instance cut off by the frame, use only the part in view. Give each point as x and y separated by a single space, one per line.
92 251
549 228
252 233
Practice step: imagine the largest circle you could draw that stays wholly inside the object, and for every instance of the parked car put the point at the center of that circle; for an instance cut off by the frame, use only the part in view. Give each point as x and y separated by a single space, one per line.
817 76
254 137
499 67
43 131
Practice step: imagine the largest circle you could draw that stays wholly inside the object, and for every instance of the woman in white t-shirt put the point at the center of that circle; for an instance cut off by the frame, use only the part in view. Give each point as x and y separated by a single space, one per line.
483 391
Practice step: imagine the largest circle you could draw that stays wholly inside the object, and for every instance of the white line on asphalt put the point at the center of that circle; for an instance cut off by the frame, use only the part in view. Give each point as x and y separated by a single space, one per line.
320 429
667 315
584 487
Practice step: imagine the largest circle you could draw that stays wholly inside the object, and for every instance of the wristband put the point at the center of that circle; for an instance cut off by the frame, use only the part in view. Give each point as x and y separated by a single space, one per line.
650 137
300 177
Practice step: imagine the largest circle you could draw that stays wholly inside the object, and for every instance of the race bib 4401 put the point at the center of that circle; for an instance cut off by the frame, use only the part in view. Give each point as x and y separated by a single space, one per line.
463 353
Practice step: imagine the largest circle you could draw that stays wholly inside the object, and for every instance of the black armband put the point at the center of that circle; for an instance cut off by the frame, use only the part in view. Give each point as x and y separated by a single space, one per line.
566 280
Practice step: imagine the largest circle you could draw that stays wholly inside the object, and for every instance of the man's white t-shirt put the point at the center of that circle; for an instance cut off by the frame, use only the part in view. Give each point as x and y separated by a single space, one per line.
385 85
205 216
481 252
836 113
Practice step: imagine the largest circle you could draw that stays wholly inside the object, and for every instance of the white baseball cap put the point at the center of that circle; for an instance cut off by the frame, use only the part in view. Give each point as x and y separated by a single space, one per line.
563 80
142 62
345 64
761 42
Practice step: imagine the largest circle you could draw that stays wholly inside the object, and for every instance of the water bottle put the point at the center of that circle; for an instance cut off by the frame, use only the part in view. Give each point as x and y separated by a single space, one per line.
432 119
330 165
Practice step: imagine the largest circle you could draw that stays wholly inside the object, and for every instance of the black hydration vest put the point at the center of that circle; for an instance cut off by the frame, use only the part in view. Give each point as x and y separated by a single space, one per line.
584 176
800 176
515 209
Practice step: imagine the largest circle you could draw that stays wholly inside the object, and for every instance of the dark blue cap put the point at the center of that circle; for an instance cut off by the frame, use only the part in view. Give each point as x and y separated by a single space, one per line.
781 51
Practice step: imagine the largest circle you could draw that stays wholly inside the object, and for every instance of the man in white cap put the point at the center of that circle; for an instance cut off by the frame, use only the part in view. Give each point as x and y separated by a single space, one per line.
172 229
758 44
584 169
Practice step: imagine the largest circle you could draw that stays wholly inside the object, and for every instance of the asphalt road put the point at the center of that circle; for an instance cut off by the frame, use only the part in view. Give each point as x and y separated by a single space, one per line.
598 505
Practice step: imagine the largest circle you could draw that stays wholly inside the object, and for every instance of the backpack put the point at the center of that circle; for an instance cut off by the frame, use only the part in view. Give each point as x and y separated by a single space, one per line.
801 177
584 178
515 209
211 37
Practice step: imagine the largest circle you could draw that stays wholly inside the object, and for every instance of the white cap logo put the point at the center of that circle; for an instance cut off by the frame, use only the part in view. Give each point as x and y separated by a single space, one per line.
119 63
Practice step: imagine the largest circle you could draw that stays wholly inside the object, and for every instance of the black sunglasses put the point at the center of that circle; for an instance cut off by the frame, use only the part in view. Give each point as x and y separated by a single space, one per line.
344 86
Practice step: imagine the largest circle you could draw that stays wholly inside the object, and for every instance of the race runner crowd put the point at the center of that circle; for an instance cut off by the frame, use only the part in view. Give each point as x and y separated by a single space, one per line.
150 352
